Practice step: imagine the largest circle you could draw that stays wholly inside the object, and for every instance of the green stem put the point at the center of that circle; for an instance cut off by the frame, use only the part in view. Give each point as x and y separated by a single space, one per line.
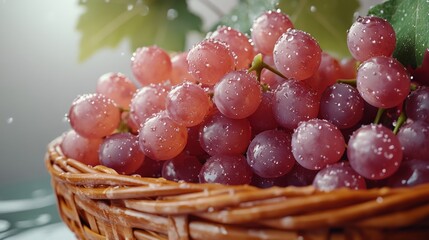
413 86
351 82
379 115
258 65
401 120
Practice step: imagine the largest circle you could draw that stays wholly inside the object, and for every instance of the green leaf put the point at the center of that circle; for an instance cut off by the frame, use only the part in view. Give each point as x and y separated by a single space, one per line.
105 24
242 15
410 19
327 21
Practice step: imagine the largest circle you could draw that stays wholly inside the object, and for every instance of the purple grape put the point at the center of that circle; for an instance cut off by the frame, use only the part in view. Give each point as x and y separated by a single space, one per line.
121 152
414 139
226 169
417 104
294 102
150 168
342 105
263 118
182 168
338 175
410 173
374 152
317 143
383 82
269 154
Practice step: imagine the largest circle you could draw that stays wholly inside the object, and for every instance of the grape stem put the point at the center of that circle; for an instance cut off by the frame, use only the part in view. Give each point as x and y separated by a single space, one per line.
258 65
379 115
351 82
401 120
413 86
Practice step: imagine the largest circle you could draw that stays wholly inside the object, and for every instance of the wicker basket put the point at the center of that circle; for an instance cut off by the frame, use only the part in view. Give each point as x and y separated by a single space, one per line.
98 203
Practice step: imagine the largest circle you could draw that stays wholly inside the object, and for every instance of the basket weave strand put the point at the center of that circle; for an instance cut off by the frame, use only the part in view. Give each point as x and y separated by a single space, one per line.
97 203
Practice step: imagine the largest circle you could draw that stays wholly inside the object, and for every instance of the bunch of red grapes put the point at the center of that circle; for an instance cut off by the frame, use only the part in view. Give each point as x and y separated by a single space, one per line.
271 109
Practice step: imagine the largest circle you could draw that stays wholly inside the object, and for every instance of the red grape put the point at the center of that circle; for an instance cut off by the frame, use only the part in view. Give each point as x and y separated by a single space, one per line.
263 118
417 104
374 152
94 116
121 152
338 175
317 143
179 71
410 173
151 65
414 139
226 169
182 168
84 150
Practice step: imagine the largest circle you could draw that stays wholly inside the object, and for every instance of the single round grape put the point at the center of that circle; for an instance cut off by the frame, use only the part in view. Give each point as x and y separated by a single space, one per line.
297 55
371 36
226 169
209 61
222 135
161 138
341 105
121 152
383 82
329 72
411 173
269 154
414 139
268 77
148 101
237 95
263 118
294 101
374 152
182 168
151 65
94 115
317 143
338 175
117 87
299 176
417 104
187 104
267 28
84 150
238 43
150 168
179 71
348 68
193 146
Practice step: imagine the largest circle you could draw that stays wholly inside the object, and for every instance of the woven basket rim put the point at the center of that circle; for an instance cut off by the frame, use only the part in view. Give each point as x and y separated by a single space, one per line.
275 211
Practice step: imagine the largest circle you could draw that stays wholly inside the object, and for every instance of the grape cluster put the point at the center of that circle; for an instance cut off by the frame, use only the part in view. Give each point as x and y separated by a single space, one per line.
269 109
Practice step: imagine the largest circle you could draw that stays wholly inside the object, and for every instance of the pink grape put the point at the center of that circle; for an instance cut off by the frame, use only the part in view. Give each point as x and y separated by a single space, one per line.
117 87
338 175
147 101
226 169
237 95
94 115
383 82
374 152
121 152
297 54
342 105
182 168
263 118
222 135
269 154
348 68
151 65
414 139
267 28
299 176
84 150
179 71
317 143
371 36
238 43
209 61
294 101
187 104
161 138
268 77
329 72
193 146
417 104
411 173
